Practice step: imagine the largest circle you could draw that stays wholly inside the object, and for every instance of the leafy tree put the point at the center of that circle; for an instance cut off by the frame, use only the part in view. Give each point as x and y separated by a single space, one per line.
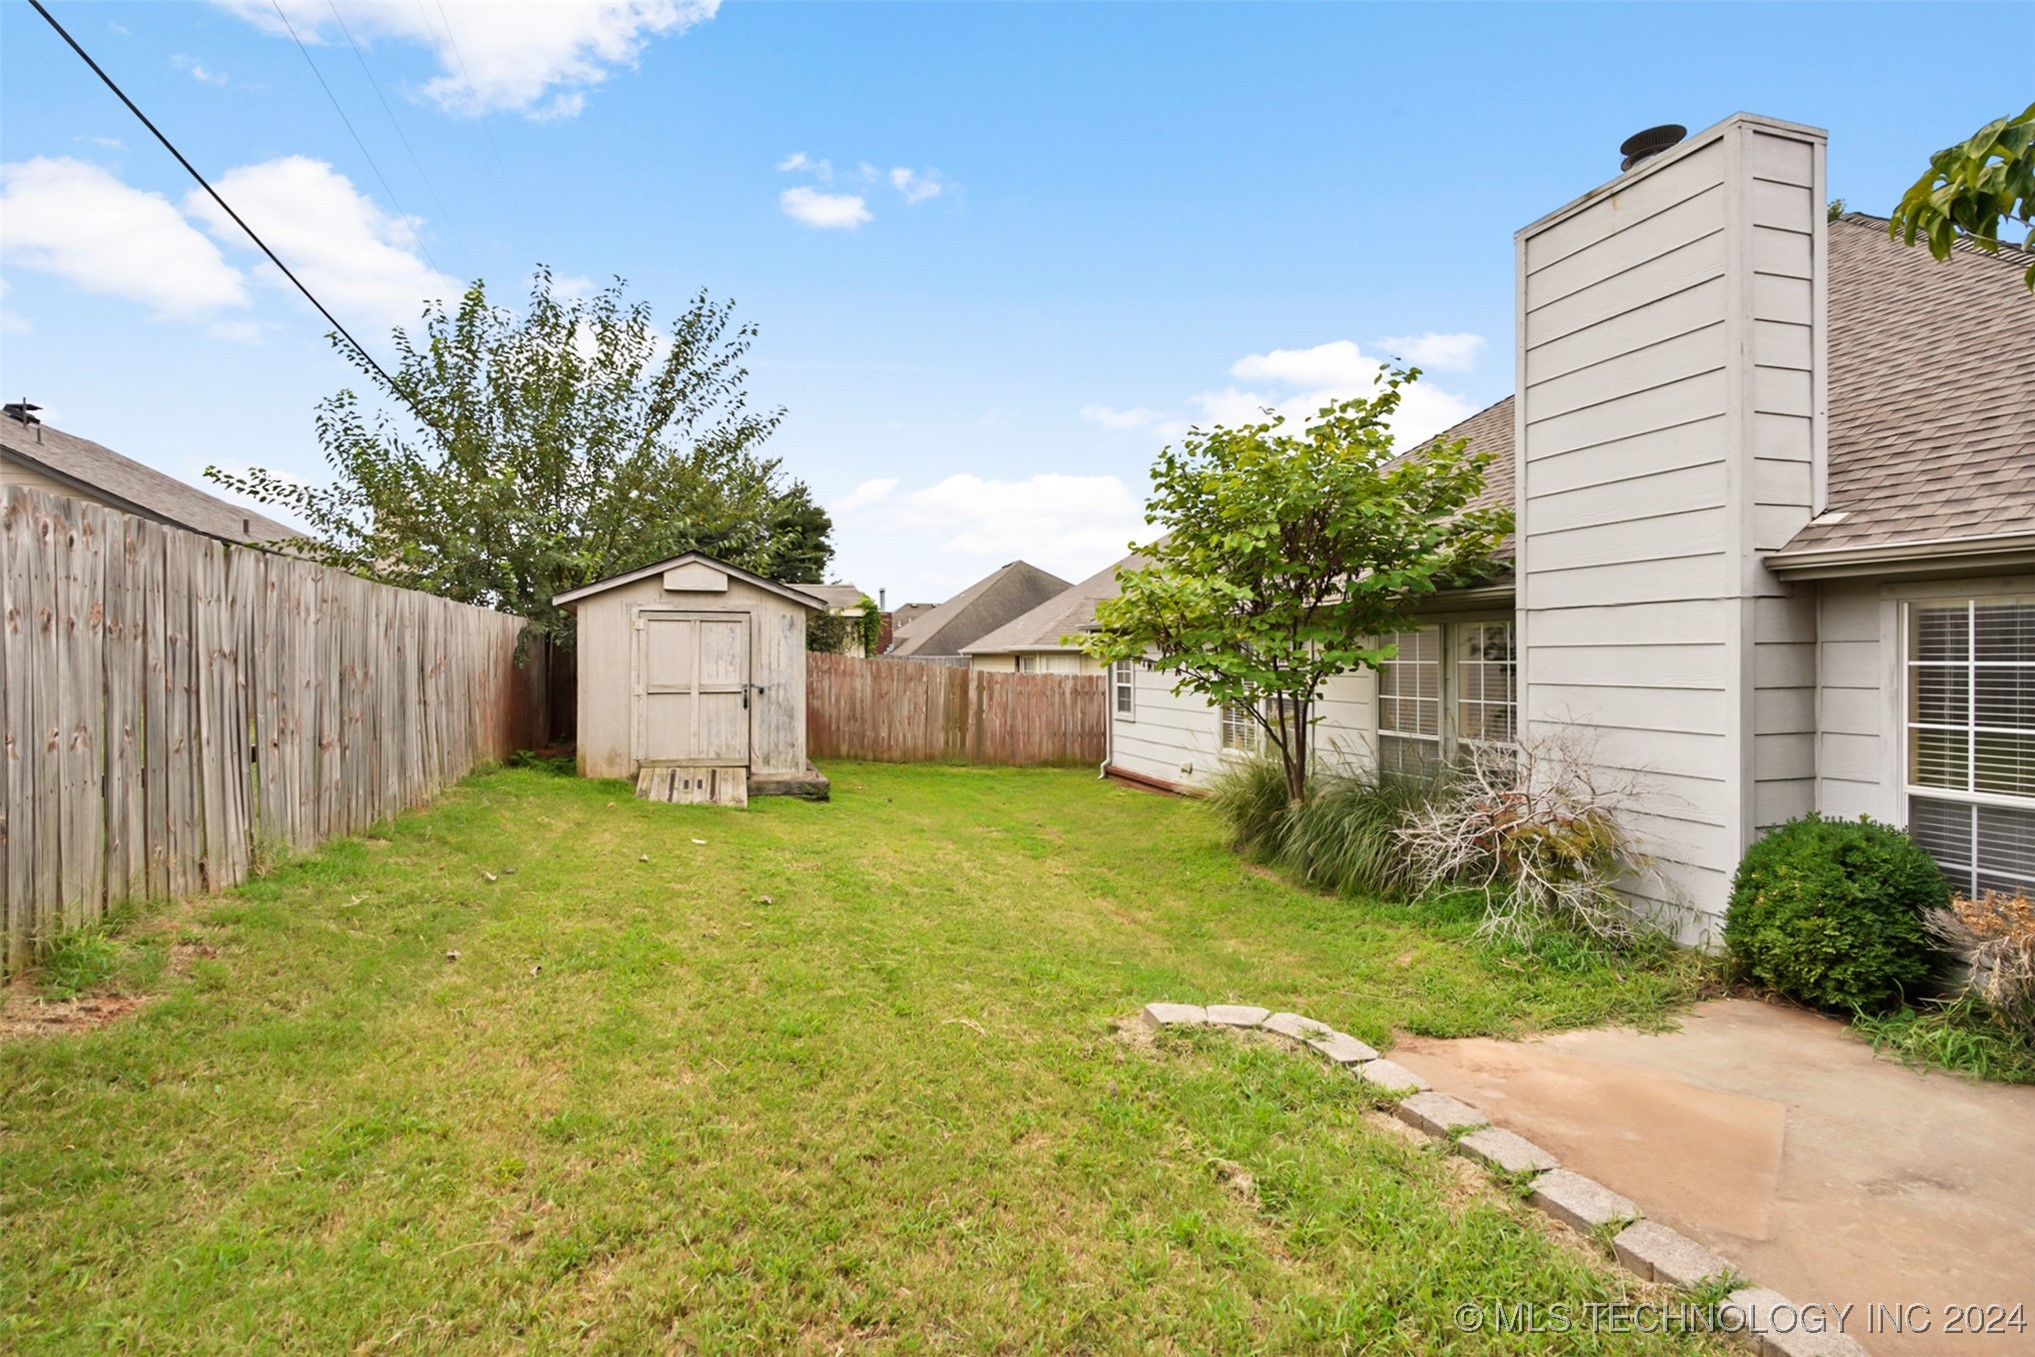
1286 555
832 633
1972 188
550 449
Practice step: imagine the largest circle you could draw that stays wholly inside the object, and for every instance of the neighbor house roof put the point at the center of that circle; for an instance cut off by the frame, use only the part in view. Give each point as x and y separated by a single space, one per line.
795 592
976 611
1062 615
103 474
1932 393
1932 398
835 596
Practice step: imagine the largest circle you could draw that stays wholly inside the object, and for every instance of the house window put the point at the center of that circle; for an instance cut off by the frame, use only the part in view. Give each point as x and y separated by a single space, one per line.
1487 691
1409 704
1971 740
1121 687
1028 664
1240 733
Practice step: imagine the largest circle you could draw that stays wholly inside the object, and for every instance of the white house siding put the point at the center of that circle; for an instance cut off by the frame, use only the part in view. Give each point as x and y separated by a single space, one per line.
20 473
1170 738
1669 430
1346 736
1857 754
1050 662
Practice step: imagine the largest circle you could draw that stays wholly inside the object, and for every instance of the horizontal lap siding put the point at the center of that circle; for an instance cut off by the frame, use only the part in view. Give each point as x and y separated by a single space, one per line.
1666 400
1855 708
1173 738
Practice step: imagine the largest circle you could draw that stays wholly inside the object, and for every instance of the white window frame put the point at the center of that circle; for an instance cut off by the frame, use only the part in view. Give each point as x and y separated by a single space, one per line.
1392 669
1448 738
1237 733
1965 875
1028 664
1123 690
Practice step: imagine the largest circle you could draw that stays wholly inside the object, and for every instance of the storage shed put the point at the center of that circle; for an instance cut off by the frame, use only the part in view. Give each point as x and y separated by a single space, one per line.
692 680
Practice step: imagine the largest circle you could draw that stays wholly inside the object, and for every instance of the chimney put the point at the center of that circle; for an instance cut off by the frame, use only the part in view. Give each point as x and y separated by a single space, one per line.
1669 427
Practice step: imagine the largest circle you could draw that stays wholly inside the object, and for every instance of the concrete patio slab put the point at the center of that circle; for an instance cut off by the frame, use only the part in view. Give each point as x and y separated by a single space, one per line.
1776 1138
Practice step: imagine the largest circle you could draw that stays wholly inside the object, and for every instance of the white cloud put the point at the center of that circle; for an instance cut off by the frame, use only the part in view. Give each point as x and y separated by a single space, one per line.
572 286
823 211
78 221
869 492
110 143
1062 523
1111 418
799 160
356 258
1296 383
197 71
1452 353
497 55
916 187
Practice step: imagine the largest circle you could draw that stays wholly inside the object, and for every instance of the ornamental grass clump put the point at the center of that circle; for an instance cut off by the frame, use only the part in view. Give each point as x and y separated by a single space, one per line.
1343 835
1831 912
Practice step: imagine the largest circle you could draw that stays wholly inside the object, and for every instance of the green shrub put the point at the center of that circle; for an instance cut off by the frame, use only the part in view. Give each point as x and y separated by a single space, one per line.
1831 913
1343 837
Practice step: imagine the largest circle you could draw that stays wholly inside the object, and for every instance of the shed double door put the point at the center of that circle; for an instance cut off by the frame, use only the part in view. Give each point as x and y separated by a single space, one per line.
692 688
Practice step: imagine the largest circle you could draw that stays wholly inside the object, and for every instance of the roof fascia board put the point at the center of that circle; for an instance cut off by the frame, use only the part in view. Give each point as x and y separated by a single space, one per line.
659 567
1907 558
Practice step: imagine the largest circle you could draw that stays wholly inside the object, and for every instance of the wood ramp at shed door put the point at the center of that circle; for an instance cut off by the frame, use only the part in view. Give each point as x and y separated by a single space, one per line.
690 784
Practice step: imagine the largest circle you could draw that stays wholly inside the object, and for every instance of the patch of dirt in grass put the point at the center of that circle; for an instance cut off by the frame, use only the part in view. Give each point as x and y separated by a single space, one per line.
29 1015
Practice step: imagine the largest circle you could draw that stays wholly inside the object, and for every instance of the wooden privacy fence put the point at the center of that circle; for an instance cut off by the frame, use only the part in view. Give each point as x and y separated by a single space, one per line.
174 706
897 711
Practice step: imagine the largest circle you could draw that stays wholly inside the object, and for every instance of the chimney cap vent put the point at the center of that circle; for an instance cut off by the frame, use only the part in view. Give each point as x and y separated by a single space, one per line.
1645 145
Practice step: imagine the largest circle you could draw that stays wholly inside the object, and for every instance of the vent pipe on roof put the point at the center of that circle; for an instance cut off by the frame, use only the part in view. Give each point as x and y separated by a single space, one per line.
1650 143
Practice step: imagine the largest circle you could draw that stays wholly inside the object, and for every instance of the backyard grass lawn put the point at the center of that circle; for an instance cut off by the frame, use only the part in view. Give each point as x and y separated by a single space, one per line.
801 1078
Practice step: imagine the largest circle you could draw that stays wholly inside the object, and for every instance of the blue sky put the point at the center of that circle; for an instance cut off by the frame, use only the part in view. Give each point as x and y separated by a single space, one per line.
998 254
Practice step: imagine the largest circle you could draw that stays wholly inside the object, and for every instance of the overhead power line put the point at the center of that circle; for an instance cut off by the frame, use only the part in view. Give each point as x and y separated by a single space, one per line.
227 208
333 99
402 136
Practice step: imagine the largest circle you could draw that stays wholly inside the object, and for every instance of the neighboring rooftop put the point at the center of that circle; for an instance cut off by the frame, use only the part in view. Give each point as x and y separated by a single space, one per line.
976 611
1062 615
94 472
836 596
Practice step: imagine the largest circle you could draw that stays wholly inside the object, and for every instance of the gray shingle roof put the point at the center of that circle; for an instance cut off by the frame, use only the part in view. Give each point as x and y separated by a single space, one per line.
1932 393
976 611
128 485
1932 396
833 595
1066 612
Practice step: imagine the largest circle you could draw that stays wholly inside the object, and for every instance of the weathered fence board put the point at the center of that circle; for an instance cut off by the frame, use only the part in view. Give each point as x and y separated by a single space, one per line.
175 707
895 711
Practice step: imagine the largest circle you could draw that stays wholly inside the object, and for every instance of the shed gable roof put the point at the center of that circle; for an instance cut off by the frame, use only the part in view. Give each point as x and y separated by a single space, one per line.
790 591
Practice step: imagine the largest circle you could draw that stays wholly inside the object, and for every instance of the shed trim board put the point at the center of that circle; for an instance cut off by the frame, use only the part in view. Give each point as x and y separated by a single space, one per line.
789 591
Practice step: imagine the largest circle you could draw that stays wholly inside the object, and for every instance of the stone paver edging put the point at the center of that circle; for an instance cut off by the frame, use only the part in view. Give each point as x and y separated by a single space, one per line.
1766 1321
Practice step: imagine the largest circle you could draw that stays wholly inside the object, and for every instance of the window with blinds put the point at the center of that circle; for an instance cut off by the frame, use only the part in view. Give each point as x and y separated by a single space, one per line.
1240 733
1409 704
1487 693
1971 740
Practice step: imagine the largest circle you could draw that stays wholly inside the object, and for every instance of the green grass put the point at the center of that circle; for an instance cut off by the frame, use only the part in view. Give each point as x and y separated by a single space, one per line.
842 1077
1961 1035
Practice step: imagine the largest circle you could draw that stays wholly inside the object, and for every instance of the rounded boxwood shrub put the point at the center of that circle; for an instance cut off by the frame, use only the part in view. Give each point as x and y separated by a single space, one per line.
1831 912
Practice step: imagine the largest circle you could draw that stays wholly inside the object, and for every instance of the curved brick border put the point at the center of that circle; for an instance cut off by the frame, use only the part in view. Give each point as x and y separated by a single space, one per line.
1765 1320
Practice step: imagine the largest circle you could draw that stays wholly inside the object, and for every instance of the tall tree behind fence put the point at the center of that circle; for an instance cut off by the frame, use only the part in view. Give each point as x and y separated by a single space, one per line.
174 707
898 711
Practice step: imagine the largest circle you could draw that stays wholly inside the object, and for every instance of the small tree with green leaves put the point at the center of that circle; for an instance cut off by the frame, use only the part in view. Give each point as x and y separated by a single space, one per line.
1289 554
519 454
1974 187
